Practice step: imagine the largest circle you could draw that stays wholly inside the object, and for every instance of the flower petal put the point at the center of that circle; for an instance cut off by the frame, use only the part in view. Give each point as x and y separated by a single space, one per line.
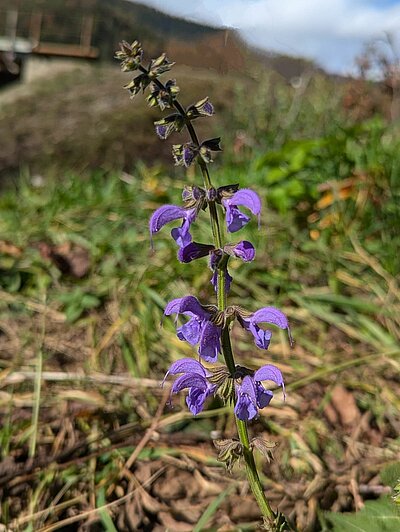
235 219
164 215
182 235
210 342
248 198
269 373
196 399
246 404
189 380
248 387
245 409
187 365
193 251
261 337
263 396
228 281
270 315
244 250
190 331
189 305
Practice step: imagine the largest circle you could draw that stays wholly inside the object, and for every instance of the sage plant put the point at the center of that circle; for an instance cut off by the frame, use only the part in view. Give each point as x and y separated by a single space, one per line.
208 325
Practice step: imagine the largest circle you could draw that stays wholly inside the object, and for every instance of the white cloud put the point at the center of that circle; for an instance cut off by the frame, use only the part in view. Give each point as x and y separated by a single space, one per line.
330 31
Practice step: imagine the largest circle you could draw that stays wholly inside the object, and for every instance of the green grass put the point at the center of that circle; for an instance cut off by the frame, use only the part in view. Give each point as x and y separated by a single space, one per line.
328 259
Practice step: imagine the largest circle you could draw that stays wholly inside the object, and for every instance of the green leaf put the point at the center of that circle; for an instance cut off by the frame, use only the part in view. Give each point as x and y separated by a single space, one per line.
105 516
211 509
381 515
390 474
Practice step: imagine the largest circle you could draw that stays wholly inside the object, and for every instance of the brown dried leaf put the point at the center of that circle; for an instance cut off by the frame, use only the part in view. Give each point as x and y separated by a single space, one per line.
345 405
70 259
171 524
9 249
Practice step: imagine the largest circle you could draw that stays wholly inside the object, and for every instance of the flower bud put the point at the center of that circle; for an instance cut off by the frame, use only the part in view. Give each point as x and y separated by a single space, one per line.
130 55
169 124
184 154
163 97
159 66
202 108
140 82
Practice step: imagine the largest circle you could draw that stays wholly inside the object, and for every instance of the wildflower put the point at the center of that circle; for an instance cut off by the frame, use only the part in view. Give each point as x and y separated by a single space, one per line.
207 147
194 377
201 108
169 213
130 55
159 66
163 97
245 197
193 251
265 315
251 394
199 329
243 250
168 125
139 82
184 154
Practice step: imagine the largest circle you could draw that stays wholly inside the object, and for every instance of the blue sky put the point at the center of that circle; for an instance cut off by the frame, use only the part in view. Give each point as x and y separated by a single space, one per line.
332 32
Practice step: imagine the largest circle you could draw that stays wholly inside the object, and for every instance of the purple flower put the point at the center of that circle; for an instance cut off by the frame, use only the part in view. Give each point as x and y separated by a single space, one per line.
251 394
199 329
193 251
201 108
184 154
268 315
169 213
244 250
194 377
169 124
235 219
163 131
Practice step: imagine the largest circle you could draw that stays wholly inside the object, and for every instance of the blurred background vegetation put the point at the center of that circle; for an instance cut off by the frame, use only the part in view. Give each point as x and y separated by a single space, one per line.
82 294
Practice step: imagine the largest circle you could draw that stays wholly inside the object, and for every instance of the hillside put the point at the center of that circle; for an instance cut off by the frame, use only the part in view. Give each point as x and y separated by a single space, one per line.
188 42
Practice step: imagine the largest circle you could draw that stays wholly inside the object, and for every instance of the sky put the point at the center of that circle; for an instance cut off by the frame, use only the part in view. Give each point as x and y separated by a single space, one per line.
331 32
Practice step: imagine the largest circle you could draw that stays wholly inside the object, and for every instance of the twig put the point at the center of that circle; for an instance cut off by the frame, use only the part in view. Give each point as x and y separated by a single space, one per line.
98 378
148 434
83 515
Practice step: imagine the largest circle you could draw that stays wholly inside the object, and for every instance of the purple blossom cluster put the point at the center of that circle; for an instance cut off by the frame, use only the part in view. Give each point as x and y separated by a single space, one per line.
235 220
205 325
204 329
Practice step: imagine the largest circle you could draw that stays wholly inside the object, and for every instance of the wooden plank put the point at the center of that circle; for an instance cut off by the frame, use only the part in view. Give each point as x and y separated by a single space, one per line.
65 50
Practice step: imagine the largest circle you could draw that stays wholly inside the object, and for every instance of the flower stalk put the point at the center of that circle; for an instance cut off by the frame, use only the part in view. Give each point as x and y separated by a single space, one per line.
209 325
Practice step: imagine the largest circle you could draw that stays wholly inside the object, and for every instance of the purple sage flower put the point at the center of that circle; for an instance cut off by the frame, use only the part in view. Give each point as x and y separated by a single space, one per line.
169 213
199 329
265 315
245 197
194 377
251 394
243 250
194 251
